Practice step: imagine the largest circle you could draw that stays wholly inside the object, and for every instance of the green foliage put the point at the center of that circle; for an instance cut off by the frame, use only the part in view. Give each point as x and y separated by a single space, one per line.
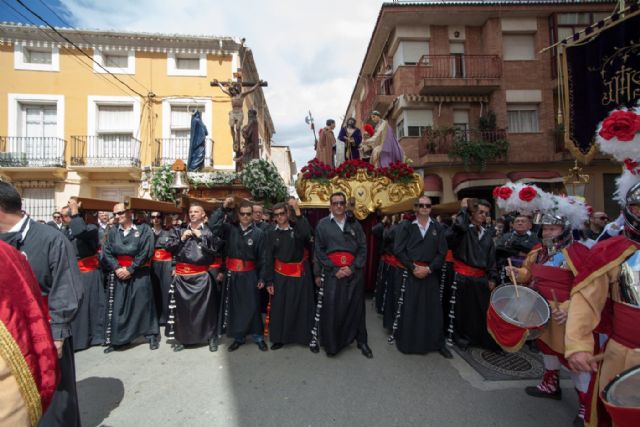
262 179
479 153
488 122
161 184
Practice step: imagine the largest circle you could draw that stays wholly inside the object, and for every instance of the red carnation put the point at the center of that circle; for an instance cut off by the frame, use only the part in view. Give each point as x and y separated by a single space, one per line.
622 125
527 194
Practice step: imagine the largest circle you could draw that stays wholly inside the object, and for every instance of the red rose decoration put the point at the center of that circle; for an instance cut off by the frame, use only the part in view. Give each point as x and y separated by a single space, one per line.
505 192
623 125
527 194
632 166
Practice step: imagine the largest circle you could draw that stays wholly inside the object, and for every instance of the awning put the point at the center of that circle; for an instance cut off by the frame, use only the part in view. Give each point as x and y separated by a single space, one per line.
432 185
462 180
535 176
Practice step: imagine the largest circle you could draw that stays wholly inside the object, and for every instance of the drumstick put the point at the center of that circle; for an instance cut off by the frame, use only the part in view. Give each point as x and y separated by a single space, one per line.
598 357
555 300
513 277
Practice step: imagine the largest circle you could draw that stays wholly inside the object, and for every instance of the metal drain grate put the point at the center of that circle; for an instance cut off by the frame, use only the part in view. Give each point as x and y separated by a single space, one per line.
509 362
497 366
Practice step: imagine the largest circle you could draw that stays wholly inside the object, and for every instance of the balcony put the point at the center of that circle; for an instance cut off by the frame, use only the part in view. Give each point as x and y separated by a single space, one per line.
32 152
378 96
458 74
168 150
437 143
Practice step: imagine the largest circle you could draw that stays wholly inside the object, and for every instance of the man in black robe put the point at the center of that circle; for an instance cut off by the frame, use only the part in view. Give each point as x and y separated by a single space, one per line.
127 253
195 293
244 264
475 277
88 325
341 251
291 316
53 262
161 266
421 247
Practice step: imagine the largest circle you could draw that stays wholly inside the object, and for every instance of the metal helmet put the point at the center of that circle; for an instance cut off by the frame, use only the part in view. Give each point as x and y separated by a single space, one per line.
632 221
552 218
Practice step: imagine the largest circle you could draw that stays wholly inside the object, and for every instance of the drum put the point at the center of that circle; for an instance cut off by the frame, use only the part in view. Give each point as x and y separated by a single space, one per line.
621 397
513 317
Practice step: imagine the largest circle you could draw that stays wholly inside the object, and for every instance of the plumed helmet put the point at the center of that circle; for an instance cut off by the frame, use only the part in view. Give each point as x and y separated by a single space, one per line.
631 220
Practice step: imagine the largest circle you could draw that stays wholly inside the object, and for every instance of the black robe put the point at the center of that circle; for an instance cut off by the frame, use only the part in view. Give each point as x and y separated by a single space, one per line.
391 278
161 276
420 322
292 306
134 311
342 319
88 325
242 314
472 294
195 294
54 265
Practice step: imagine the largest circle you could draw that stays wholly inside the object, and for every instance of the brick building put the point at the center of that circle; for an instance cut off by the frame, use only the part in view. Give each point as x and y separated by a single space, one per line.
439 70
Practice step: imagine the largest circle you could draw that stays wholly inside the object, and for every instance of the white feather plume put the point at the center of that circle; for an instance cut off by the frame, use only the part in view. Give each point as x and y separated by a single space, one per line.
623 184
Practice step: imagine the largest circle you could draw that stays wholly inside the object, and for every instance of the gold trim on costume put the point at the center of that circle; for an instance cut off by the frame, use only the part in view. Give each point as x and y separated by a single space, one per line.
11 353
567 258
604 269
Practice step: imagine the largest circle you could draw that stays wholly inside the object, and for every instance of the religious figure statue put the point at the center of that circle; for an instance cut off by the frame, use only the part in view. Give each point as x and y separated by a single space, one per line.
326 142
251 136
352 137
383 145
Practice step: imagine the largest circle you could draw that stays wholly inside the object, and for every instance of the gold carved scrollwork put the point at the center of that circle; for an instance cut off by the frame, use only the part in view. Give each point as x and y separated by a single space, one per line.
369 193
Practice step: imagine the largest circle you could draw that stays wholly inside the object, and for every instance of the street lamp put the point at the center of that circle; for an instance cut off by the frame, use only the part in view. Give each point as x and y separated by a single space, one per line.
576 182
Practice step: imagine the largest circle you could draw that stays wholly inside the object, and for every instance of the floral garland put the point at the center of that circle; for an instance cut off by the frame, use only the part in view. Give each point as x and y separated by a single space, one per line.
262 179
397 172
211 179
161 184
349 168
315 170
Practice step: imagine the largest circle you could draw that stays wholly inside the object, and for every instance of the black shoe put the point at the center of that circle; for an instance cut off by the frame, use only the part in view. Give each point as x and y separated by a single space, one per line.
213 345
314 348
153 343
462 343
535 392
366 351
109 349
276 346
444 352
332 355
178 347
262 346
234 346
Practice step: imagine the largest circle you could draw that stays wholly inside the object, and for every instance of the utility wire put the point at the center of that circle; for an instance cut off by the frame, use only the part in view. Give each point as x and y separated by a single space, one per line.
76 46
83 38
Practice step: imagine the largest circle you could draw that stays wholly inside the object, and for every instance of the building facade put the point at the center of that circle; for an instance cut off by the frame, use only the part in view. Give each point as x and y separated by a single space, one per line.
450 73
282 159
92 113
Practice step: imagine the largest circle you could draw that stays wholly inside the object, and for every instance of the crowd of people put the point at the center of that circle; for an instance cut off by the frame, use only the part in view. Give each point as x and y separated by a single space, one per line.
243 272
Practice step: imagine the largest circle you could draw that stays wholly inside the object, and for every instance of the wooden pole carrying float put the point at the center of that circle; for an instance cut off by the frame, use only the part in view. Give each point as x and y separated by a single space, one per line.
87 204
138 204
208 206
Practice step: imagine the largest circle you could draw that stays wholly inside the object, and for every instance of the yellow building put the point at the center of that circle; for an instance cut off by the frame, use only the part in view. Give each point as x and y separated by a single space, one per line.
91 113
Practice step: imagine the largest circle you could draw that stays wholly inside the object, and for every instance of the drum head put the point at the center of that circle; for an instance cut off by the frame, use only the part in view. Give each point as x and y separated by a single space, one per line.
526 308
624 389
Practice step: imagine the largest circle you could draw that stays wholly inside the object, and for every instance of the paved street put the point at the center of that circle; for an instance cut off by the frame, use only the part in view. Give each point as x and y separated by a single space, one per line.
293 387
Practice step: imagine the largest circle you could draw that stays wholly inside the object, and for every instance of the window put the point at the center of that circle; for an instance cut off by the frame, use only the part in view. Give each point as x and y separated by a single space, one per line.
414 123
113 124
519 47
36 58
410 52
461 122
39 203
182 64
176 128
115 61
523 118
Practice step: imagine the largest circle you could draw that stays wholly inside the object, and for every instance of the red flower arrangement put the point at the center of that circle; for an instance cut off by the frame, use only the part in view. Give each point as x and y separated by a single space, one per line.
349 168
527 194
502 192
318 171
397 172
623 125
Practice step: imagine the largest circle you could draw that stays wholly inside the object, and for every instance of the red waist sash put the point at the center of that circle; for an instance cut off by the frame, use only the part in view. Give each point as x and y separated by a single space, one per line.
239 265
467 270
161 255
87 264
392 260
549 278
217 263
127 261
341 259
45 298
449 257
291 269
626 319
186 269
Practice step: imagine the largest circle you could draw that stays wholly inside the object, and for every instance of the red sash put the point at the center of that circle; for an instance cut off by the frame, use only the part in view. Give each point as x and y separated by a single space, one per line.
186 269
549 278
127 261
626 319
161 255
341 259
449 257
290 269
467 270
87 264
217 263
392 260
240 265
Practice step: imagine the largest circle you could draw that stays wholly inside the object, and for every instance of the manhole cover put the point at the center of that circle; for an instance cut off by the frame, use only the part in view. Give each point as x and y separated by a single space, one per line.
513 364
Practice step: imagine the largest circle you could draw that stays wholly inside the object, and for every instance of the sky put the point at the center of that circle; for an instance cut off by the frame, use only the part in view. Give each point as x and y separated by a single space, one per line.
309 52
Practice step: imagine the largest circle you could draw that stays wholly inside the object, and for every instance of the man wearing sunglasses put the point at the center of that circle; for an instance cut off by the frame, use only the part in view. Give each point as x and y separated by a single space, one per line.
474 264
341 251
56 221
421 247
161 266
244 265
127 254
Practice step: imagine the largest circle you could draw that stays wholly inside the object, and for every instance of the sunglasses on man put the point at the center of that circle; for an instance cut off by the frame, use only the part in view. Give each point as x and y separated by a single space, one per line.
244 213
423 205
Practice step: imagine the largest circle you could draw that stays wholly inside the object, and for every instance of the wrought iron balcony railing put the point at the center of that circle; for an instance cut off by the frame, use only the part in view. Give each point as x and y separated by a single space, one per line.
110 150
441 141
459 67
28 151
168 150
